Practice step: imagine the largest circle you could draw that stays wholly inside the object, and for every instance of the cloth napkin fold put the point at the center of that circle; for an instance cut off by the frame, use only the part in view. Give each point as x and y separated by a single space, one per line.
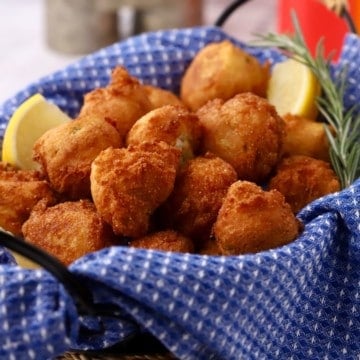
298 301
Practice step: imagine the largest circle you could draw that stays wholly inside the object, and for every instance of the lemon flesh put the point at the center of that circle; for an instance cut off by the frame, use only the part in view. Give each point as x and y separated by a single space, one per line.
293 89
30 120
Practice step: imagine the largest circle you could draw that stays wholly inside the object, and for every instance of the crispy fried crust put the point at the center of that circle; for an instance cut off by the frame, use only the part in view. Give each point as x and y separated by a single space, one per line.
20 191
222 70
252 220
246 132
6 167
172 124
66 152
197 197
210 247
159 97
302 179
122 102
127 185
305 137
167 240
68 230
11 173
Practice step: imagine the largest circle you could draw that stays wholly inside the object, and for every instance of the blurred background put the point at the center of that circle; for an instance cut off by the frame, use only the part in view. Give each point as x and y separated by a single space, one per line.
38 37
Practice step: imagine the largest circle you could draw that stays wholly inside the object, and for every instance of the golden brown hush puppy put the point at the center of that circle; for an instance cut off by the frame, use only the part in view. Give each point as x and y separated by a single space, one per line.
12 173
68 230
66 152
167 240
245 131
159 97
172 124
122 102
198 193
252 220
305 137
20 191
127 185
302 179
222 70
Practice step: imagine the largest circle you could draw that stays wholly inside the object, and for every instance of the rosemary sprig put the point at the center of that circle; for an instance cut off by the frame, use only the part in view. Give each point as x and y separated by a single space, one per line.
345 124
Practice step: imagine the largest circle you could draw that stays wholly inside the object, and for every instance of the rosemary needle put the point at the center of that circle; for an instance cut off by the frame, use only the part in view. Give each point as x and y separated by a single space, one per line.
345 124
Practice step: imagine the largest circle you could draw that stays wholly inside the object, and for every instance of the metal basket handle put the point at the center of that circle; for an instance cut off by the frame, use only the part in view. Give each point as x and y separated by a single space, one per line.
80 294
82 297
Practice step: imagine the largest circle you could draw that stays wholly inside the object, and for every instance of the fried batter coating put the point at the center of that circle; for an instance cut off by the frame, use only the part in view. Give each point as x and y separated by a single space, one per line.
245 131
6 166
167 240
159 97
196 199
127 185
174 125
305 137
68 230
122 102
302 179
210 247
20 191
252 220
66 152
222 70
10 172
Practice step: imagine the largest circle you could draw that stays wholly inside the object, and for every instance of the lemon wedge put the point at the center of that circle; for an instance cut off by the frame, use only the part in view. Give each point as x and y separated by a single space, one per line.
24 262
30 120
293 88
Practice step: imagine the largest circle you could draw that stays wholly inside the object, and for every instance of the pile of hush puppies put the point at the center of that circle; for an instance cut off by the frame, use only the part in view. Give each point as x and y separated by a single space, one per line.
214 170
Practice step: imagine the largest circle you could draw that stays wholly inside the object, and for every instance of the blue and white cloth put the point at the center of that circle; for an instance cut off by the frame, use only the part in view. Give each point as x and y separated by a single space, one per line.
300 301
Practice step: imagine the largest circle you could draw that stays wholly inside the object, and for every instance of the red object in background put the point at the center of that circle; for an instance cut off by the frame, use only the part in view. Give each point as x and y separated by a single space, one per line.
316 22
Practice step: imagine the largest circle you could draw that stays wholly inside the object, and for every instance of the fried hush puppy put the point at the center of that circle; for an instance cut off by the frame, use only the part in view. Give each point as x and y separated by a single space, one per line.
222 70
167 240
68 230
20 191
159 97
122 102
252 220
11 173
199 190
305 137
66 152
6 167
127 185
302 179
210 247
172 124
245 131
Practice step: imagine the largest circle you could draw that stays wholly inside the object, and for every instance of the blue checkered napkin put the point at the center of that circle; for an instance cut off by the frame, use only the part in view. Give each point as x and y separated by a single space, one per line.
298 301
